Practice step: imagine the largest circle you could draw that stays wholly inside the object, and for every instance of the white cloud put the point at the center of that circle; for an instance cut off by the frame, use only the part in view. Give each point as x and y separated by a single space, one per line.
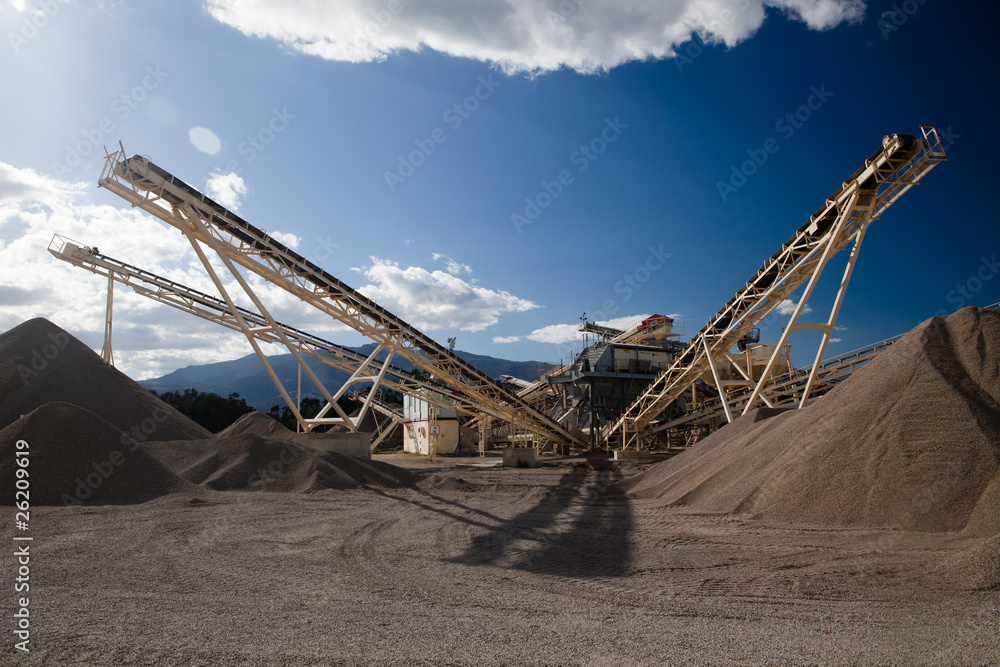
837 327
227 189
787 307
24 185
453 267
566 333
556 333
518 35
289 239
436 299
836 340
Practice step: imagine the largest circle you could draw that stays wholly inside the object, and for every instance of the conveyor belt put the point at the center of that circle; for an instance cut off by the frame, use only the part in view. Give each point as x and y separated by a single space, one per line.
891 170
144 184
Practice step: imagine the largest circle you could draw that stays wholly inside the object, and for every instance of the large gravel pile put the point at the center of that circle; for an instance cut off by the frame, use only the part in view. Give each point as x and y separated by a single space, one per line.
41 363
910 441
76 457
259 424
254 462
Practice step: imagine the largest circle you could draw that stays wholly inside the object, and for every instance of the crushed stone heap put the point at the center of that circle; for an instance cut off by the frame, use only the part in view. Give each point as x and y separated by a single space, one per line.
911 441
41 363
76 457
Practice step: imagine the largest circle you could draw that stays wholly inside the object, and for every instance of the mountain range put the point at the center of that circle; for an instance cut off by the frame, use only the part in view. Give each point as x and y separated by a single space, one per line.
246 376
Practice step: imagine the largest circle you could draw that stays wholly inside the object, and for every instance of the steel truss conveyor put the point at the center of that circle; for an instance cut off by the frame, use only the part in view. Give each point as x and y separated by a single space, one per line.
360 368
785 388
893 169
237 243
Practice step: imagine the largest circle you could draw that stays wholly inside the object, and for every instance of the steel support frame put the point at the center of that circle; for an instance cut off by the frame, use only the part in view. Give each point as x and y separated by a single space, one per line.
218 311
858 217
107 354
307 425
149 187
894 169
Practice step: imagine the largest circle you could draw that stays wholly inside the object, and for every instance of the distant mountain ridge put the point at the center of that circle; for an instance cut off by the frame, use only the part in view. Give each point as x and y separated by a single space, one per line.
246 376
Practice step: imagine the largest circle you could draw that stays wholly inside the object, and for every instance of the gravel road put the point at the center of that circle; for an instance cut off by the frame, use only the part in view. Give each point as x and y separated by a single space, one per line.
482 565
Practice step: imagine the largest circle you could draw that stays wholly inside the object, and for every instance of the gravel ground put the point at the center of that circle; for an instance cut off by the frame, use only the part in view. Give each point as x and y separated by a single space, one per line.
481 565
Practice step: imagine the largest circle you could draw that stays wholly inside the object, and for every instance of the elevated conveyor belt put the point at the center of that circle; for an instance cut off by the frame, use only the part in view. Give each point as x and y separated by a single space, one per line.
213 309
137 180
894 168
786 388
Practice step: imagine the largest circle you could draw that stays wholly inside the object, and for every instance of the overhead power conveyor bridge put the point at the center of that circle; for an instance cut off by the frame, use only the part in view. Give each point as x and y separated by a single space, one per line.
237 243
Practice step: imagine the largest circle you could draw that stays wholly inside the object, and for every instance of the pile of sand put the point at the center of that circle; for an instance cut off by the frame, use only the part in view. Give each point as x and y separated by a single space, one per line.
41 363
977 568
911 441
75 457
257 423
254 462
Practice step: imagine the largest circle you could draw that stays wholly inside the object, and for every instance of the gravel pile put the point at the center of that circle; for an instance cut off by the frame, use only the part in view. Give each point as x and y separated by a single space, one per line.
77 457
977 568
254 462
910 441
41 363
257 423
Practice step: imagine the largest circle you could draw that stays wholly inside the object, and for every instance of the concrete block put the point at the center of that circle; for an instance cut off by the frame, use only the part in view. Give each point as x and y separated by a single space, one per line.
356 445
520 457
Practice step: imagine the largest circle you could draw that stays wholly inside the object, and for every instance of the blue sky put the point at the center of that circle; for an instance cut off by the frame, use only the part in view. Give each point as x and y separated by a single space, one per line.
403 147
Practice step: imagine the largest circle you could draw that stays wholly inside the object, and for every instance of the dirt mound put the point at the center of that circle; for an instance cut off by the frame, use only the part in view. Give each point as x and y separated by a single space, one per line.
723 473
259 424
41 363
911 440
76 457
977 568
253 462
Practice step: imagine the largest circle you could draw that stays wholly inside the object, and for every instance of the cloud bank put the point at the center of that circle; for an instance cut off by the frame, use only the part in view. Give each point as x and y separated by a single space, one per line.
519 35
432 300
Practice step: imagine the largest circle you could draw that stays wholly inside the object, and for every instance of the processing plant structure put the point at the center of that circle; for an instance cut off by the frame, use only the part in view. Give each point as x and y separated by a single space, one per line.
630 389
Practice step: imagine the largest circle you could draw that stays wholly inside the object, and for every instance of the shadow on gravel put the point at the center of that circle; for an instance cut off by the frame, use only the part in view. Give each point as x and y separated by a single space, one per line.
575 530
